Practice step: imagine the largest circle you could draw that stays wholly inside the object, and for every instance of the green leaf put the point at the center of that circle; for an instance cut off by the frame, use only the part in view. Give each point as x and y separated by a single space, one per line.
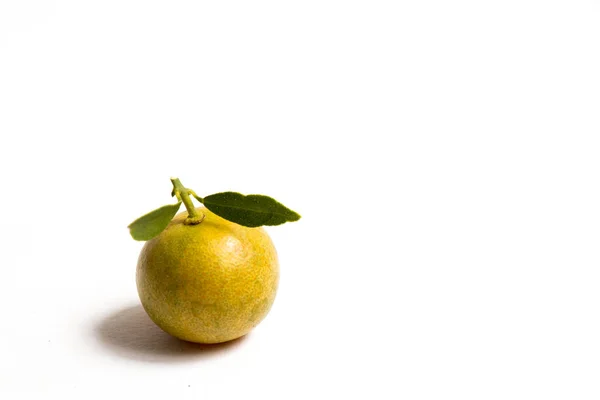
252 210
153 223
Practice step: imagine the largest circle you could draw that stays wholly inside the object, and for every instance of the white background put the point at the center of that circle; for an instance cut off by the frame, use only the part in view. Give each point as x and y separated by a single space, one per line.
445 156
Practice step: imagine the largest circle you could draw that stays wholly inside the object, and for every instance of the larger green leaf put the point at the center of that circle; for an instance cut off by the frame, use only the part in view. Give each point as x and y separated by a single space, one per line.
252 210
150 225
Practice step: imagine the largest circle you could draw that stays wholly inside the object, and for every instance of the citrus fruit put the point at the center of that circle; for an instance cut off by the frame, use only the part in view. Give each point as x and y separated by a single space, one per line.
210 282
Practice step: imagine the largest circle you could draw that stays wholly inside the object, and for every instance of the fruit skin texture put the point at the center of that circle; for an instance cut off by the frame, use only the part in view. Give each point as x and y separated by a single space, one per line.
208 283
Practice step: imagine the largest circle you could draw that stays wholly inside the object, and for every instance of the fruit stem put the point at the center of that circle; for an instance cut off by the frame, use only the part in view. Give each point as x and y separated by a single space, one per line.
194 217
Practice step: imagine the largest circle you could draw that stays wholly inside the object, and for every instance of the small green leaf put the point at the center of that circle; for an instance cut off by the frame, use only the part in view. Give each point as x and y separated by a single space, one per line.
252 210
150 225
